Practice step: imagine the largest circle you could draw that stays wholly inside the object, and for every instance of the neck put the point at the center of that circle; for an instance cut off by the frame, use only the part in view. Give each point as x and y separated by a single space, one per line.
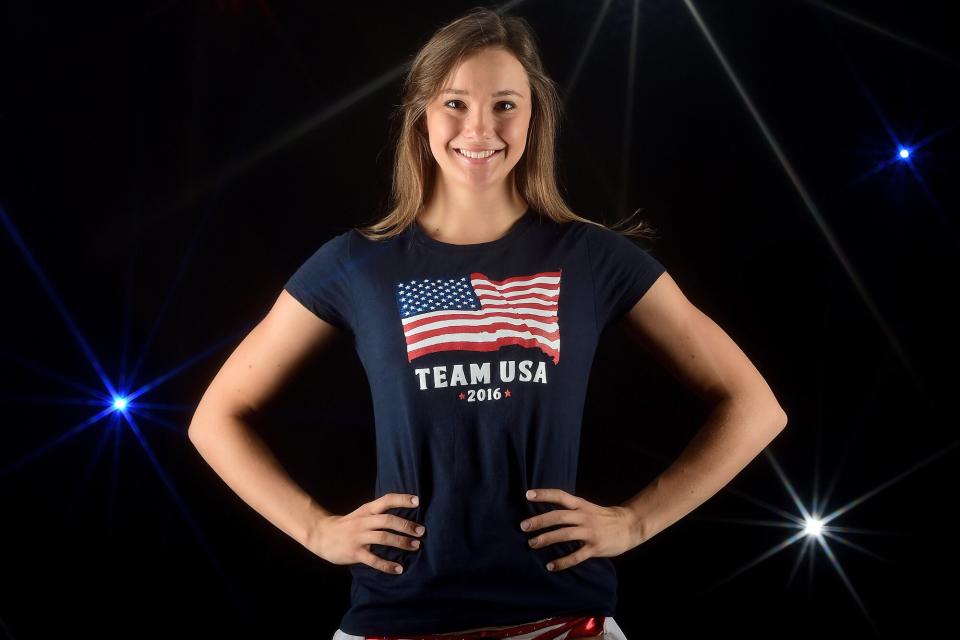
462 217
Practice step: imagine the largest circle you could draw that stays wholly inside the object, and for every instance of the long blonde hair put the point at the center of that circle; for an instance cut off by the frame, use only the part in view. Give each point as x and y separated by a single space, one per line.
414 167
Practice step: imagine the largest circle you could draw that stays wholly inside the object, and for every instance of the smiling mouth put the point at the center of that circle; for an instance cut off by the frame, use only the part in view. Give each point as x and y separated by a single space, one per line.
479 155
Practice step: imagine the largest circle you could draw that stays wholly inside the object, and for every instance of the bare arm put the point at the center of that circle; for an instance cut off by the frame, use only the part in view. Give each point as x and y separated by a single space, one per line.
745 418
266 359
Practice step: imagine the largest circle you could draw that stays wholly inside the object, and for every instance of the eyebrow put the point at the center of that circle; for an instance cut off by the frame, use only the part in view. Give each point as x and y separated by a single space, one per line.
495 94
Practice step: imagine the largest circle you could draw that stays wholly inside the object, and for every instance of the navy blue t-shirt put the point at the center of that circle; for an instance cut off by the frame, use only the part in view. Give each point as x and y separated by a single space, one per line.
478 358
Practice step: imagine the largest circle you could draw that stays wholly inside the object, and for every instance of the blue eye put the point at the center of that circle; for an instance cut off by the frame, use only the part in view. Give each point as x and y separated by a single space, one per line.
512 106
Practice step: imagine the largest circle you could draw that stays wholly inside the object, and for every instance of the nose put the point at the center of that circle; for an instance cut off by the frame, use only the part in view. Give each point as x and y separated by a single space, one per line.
479 124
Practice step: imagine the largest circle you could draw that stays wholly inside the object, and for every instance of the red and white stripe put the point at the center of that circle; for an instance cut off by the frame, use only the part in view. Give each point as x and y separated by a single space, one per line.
520 310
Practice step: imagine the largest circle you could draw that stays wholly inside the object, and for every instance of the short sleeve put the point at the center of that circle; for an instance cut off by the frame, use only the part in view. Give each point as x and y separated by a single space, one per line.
322 282
622 273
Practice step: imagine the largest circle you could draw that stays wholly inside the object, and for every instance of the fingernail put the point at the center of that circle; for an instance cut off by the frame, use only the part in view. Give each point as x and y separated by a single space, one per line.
416 544
399 569
549 566
415 500
524 525
531 494
419 530
533 542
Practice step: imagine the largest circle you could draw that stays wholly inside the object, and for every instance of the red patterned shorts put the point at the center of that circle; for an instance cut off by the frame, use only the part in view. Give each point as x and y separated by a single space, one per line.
555 628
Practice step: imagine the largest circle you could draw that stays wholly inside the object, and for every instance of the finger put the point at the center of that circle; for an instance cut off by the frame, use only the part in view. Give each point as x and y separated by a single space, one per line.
571 560
560 535
375 561
396 540
550 518
396 523
390 521
557 496
393 501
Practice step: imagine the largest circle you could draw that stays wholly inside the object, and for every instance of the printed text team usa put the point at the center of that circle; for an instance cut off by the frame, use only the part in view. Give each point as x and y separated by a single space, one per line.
436 377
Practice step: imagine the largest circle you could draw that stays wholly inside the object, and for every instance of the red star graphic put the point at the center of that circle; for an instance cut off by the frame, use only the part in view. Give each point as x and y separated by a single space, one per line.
462 395
507 394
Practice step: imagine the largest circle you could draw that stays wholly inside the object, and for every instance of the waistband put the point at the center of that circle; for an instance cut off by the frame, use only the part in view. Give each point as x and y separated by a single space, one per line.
556 628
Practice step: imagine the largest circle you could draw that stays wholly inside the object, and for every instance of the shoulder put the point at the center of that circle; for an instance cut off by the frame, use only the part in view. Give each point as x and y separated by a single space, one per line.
599 240
339 241
361 245
602 235
607 243
567 228
325 255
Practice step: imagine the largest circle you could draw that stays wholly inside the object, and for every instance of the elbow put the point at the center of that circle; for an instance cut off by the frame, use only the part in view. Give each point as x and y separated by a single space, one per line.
203 420
775 411
192 433
761 405
775 415
212 414
193 430
780 418
782 421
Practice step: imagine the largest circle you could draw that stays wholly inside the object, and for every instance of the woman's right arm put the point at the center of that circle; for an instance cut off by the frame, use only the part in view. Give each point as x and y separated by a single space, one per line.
259 367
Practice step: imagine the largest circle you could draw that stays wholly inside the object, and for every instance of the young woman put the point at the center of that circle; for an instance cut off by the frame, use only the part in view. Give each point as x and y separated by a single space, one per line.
475 306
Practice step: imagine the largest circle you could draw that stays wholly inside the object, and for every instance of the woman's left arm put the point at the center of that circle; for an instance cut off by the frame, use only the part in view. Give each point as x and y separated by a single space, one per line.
745 414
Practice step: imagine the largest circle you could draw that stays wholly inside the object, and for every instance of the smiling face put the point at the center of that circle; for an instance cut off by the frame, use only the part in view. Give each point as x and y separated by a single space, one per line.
472 112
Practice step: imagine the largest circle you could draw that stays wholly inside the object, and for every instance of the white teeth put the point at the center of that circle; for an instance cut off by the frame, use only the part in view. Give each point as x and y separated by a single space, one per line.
477 154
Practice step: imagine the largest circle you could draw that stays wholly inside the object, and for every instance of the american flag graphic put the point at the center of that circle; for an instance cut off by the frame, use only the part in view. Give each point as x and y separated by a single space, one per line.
476 313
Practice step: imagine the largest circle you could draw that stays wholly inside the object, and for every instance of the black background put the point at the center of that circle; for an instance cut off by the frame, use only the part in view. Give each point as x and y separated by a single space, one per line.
167 165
